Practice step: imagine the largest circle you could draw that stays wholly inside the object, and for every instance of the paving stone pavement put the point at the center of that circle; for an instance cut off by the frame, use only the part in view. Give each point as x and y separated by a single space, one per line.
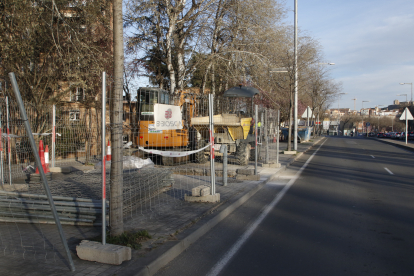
167 216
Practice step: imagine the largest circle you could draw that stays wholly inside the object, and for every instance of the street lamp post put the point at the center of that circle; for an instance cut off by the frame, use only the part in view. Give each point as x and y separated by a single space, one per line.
402 83
295 65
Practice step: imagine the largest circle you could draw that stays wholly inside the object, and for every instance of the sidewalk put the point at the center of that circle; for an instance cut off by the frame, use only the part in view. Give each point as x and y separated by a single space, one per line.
172 232
397 143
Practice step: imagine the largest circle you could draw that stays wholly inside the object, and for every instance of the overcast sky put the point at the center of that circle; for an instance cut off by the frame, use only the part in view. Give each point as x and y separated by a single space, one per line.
370 41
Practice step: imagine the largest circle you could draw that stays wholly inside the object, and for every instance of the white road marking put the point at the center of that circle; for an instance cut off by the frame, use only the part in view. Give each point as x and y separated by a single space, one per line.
390 172
372 156
276 183
236 247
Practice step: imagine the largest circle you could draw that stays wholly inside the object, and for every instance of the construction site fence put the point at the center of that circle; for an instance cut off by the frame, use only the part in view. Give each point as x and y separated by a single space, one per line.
72 131
156 179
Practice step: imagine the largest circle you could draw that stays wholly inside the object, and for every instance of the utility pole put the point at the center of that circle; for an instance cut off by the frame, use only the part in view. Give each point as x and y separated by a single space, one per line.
295 134
116 200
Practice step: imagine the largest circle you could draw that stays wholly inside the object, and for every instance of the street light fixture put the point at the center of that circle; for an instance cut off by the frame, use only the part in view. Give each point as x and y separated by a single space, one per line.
403 95
402 83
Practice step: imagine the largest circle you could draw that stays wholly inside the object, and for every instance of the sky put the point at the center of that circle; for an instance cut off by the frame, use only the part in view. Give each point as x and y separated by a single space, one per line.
370 42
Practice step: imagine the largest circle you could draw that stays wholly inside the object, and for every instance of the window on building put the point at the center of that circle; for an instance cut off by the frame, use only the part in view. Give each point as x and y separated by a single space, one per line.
74 115
77 94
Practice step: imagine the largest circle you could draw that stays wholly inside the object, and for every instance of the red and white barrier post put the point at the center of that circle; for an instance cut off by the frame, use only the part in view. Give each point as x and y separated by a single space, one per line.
108 152
42 158
47 158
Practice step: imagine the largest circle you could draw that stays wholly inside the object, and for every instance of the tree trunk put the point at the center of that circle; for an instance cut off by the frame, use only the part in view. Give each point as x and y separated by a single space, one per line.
170 66
116 178
203 89
213 81
88 137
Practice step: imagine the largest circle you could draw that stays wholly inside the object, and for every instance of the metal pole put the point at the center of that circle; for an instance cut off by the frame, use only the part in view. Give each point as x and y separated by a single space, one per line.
255 132
211 121
266 137
8 139
406 125
54 136
41 171
103 158
261 129
319 123
223 150
295 135
1 153
277 137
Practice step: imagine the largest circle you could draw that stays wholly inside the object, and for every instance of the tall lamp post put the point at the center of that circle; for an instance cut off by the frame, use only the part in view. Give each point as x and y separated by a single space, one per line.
402 83
295 67
361 114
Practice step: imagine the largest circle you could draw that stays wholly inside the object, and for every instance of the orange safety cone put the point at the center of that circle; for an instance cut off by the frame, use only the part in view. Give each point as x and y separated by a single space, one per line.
42 157
47 159
108 152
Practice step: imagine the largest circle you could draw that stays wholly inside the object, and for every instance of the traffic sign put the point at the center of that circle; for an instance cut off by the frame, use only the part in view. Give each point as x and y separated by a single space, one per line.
308 113
409 115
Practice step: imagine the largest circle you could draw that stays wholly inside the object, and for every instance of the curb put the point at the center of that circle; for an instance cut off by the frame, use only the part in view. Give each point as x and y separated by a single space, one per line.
182 245
396 145
177 249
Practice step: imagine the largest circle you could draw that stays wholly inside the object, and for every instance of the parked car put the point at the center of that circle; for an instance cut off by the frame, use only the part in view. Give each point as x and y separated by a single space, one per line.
402 136
371 134
397 135
411 135
392 135
387 135
380 135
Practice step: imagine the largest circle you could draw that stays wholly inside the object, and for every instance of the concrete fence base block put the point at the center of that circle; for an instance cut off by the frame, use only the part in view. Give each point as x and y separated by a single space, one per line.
248 177
14 187
201 190
106 254
289 152
271 165
206 198
60 169
245 171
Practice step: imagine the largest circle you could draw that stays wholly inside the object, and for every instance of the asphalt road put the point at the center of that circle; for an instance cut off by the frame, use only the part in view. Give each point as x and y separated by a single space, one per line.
350 212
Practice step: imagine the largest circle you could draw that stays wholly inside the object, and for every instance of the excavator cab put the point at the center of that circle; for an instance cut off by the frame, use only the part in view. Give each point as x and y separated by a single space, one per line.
149 136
